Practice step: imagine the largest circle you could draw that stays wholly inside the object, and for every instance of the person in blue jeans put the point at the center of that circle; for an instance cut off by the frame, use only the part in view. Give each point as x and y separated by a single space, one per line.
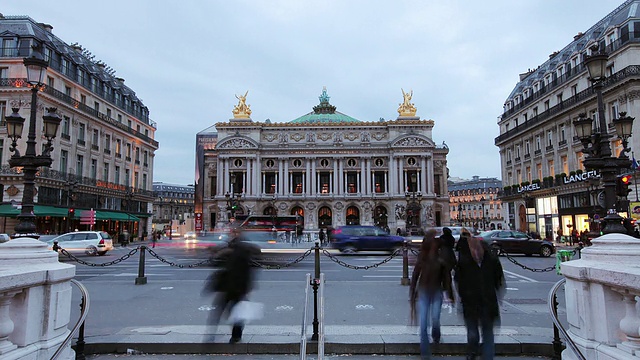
431 277
480 282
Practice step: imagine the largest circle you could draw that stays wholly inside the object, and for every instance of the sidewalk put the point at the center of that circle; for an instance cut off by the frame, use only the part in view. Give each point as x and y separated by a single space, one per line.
394 341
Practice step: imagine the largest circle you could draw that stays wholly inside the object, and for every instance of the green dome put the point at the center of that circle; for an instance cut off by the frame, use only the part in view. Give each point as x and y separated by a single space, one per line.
324 113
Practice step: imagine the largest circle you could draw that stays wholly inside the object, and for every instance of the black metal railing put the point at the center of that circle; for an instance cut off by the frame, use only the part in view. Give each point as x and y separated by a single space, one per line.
633 70
557 326
84 310
18 82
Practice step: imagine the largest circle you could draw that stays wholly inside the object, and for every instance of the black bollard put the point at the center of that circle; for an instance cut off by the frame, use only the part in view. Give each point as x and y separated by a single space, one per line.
316 283
557 343
141 279
80 343
405 264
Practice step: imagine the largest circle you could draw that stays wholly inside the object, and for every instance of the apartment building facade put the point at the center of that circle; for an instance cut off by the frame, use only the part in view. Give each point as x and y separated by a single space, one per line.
103 154
546 187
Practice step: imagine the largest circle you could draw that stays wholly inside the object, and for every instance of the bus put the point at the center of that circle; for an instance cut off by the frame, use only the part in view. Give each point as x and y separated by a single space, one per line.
271 223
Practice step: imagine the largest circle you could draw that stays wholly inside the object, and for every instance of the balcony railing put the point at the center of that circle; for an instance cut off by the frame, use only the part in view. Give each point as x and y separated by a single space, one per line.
611 81
17 82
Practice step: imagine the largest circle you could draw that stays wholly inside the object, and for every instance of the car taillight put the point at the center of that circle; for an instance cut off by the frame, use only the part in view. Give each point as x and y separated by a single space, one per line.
101 242
337 231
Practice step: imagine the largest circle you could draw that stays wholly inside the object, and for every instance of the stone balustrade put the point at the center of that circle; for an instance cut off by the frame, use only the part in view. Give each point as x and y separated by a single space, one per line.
35 301
602 299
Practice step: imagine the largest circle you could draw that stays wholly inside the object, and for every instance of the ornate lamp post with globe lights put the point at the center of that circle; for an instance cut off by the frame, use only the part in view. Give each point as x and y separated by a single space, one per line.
598 147
30 162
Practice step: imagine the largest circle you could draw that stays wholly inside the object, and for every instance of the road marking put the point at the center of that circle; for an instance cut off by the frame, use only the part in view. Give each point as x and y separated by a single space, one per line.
284 308
166 288
364 307
514 289
520 276
206 308
380 276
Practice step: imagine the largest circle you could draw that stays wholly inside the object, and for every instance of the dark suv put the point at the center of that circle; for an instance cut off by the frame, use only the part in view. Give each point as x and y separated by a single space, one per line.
352 238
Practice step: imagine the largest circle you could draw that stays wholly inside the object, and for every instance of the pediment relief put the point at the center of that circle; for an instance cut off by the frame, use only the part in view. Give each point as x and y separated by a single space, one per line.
413 141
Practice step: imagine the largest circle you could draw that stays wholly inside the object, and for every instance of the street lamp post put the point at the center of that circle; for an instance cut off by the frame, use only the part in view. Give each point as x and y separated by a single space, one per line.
598 147
128 196
30 162
71 187
413 199
233 200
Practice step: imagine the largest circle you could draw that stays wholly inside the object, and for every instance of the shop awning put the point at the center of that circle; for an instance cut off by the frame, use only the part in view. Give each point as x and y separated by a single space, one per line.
8 210
112 215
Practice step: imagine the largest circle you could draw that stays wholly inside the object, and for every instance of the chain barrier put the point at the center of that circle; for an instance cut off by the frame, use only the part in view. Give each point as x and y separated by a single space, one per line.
108 263
181 266
262 265
525 267
356 267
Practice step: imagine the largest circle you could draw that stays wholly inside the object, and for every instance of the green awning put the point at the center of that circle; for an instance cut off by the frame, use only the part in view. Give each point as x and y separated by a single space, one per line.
7 210
112 215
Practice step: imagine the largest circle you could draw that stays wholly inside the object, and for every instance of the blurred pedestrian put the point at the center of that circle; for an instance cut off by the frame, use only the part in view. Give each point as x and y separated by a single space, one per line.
154 239
480 282
431 276
321 236
446 245
233 281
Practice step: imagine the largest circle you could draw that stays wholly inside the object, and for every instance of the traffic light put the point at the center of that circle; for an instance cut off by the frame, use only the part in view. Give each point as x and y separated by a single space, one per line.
72 212
622 185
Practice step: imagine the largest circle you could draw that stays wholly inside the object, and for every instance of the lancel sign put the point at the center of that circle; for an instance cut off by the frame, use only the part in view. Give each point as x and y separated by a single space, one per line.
581 177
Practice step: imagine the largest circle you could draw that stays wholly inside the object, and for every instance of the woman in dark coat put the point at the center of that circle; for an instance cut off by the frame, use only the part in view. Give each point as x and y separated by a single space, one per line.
431 276
480 282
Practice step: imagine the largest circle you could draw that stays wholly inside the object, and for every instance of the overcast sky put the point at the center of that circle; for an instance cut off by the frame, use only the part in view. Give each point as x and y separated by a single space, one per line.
188 59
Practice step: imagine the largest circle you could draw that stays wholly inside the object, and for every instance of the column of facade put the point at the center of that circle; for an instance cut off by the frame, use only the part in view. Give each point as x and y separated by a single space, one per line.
342 178
281 177
369 184
248 178
334 183
219 172
226 176
287 187
362 178
391 186
314 177
401 177
307 178
423 174
386 182
431 174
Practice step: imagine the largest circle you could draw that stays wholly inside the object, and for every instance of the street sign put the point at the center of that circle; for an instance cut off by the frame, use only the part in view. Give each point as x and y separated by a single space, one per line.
88 217
198 221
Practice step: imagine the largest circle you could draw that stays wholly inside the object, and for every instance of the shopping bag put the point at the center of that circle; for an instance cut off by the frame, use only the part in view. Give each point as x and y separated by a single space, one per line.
246 311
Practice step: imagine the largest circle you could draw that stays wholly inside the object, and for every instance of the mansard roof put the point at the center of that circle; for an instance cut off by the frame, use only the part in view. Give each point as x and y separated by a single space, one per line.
629 9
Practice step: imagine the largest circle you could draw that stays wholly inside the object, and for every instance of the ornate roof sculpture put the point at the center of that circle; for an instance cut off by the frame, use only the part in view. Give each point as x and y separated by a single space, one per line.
407 108
324 113
242 110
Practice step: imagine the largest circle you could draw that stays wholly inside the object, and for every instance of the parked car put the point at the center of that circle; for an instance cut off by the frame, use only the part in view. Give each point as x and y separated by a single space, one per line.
455 231
353 238
89 242
516 242
4 237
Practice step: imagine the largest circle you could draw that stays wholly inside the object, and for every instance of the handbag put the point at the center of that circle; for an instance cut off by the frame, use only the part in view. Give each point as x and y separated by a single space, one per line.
215 282
245 311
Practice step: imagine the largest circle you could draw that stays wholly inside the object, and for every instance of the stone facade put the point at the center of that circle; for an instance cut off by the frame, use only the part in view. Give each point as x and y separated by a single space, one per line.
327 167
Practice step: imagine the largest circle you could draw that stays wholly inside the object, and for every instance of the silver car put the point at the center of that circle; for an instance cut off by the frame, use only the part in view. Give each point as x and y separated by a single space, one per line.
89 242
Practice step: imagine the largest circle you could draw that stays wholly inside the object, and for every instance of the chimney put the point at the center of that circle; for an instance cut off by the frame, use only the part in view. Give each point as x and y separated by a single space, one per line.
77 48
46 27
553 54
578 36
121 80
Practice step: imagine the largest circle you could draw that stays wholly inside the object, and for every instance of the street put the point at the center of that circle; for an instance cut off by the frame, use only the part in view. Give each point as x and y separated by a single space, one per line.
353 297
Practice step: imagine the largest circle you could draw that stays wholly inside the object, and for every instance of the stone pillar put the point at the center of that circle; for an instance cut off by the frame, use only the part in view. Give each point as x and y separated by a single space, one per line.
35 301
602 292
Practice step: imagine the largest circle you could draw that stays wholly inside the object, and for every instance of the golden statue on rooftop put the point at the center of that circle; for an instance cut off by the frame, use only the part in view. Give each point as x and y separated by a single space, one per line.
242 110
407 108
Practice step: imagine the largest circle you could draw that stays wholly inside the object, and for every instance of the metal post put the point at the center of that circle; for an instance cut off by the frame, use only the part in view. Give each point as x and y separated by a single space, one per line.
316 283
141 279
80 343
405 264
557 343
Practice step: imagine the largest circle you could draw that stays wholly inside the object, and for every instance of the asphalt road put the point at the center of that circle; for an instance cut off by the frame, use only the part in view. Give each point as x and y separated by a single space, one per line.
371 296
